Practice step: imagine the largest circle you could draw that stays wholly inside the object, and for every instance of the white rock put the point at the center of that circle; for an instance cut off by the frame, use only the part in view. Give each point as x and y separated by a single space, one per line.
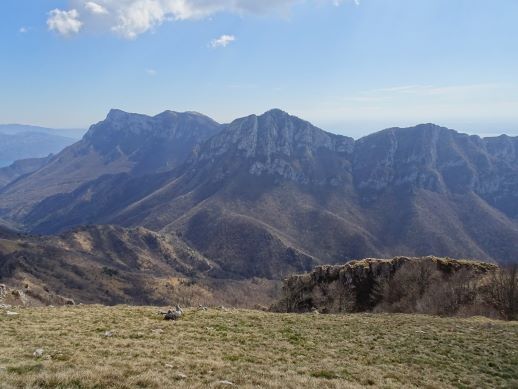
38 353
225 382
10 313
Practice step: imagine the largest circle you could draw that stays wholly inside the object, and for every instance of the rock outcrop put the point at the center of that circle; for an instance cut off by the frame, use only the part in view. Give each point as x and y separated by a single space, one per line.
350 287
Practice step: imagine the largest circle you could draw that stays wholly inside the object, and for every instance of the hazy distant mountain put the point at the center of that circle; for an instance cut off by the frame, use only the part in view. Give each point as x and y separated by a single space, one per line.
271 194
20 141
13 129
30 145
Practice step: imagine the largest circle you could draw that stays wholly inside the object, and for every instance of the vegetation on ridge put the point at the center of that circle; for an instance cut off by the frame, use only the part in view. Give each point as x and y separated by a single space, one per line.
427 285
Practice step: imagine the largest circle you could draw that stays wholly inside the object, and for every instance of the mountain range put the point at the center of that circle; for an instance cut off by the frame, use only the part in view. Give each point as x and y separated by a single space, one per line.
268 195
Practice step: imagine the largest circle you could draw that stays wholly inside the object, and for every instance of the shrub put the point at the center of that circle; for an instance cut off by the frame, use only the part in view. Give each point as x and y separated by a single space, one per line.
419 287
502 291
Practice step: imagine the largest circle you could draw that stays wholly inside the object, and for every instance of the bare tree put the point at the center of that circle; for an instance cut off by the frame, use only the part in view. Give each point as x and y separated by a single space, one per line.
503 291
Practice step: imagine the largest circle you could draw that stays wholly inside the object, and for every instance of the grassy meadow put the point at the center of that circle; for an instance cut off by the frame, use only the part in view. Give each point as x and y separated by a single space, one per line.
127 347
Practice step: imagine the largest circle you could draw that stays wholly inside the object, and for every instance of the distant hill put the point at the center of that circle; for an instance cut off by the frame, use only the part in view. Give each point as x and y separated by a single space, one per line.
31 145
14 129
271 194
19 141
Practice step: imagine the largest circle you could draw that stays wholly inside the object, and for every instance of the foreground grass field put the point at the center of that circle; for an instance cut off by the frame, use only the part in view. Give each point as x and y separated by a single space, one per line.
93 346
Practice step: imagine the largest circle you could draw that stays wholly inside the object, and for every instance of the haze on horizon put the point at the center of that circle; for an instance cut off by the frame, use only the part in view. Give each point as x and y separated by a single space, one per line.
350 67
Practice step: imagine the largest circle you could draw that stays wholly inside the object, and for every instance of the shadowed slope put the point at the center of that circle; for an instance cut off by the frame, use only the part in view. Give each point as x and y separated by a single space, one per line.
123 142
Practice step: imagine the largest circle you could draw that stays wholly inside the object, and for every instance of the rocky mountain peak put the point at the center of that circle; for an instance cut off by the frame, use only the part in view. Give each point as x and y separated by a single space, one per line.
117 114
119 123
276 133
278 144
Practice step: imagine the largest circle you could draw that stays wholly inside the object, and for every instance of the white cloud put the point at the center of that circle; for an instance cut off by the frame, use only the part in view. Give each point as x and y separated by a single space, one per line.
64 22
138 17
151 72
23 30
130 18
222 41
95 8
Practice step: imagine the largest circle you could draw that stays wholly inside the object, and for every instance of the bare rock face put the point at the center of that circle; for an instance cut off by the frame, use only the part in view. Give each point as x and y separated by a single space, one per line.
349 287
439 160
280 145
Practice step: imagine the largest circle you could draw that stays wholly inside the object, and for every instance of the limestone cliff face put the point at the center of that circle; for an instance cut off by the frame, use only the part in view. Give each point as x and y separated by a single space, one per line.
349 287
280 145
439 160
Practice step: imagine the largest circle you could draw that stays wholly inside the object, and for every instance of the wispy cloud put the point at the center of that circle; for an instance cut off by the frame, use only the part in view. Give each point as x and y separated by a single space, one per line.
95 8
64 22
23 30
151 72
222 41
429 91
422 103
130 18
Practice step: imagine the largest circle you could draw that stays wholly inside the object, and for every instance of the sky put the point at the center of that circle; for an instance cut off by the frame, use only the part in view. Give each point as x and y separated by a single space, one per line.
348 66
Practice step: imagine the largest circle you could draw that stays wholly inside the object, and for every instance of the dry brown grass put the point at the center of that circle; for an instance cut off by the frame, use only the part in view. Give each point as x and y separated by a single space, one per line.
252 349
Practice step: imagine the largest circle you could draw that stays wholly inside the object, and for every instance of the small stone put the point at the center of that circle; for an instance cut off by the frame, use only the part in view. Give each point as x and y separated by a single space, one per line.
38 353
175 314
108 334
168 365
180 376
11 313
157 331
225 382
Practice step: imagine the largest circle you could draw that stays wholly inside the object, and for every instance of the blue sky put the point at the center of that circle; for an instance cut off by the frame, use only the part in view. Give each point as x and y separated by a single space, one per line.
348 66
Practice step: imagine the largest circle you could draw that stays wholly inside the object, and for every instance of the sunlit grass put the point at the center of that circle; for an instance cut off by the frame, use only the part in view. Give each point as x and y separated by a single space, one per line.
250 348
